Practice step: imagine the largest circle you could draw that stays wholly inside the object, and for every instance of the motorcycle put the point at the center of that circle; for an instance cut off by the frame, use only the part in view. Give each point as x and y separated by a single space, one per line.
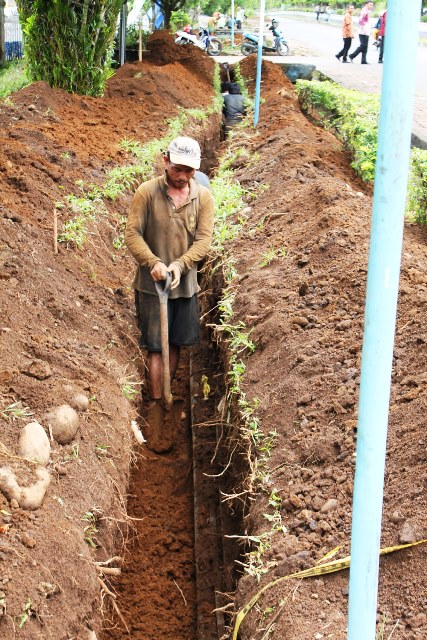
203 40
250 43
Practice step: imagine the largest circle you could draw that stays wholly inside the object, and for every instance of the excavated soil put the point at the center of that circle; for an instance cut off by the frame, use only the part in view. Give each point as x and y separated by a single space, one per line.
305 308
67 325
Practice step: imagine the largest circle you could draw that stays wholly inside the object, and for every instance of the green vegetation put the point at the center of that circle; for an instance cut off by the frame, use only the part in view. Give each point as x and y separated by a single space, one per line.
179 19
417 191
91 529
353 115
89 204
15 411
130 388
69 44
354 118
27 612
13 77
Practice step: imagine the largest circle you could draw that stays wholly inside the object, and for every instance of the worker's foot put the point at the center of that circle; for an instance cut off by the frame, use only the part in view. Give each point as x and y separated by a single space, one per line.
337 57
345 61
158 431
364 62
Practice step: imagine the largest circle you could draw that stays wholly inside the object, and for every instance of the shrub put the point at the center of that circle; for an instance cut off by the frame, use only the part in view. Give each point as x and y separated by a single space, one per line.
178 20
354 117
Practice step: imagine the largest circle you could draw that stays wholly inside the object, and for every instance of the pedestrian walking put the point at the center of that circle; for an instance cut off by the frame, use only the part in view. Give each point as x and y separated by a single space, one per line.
364 32
347 33
240 17
318 11
382 35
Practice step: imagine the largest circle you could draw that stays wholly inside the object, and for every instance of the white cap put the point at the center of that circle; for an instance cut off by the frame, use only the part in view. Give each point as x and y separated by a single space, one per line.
185 151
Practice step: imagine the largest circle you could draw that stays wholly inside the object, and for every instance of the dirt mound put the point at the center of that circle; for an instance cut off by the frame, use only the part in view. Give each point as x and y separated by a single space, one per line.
163 50
302 261
67 327
271 73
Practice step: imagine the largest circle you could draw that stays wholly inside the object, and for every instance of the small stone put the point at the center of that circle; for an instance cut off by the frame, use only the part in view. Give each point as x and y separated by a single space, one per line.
301 321
419 620
407 534
28 497
295 501
28 541
317 503
14 504
79 402
396 517
315 596
34 443
330 505
64 422
324 526
38 369
343 325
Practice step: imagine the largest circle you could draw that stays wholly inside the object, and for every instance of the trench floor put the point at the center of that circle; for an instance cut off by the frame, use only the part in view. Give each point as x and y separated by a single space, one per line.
157 590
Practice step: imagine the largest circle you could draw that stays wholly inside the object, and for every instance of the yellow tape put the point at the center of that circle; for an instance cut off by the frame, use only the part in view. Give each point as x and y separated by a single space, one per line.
319 570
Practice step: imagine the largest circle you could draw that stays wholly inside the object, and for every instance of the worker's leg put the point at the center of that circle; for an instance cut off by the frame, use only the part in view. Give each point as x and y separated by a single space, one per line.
155 370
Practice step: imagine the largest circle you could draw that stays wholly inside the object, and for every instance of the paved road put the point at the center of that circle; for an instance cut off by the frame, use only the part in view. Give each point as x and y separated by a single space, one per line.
317 43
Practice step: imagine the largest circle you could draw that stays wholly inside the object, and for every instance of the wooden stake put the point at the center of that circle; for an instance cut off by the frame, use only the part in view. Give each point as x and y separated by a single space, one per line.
55 231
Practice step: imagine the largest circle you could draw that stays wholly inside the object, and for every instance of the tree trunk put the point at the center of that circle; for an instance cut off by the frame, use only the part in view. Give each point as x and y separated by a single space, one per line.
2 42
69 43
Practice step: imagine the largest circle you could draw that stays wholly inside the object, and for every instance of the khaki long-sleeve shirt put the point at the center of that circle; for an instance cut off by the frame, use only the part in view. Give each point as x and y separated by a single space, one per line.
157 231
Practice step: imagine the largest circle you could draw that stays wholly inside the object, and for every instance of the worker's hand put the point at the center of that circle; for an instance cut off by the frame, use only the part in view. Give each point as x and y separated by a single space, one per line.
176 274
159 271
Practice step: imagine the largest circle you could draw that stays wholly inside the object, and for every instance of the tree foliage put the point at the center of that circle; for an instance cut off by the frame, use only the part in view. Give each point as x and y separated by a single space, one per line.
69 43
168 6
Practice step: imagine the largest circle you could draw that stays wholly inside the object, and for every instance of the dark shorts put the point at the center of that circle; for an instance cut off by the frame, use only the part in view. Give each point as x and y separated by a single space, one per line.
183 320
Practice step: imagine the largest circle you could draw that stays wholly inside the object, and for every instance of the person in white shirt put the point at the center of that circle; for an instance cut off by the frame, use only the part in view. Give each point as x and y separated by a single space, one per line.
364 31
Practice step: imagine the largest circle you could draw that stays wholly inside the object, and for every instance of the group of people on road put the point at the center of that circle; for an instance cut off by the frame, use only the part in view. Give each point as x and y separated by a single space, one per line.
364 33
222 21
322 10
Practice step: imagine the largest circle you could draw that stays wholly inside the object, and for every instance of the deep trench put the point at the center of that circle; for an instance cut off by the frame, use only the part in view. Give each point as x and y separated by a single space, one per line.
179 565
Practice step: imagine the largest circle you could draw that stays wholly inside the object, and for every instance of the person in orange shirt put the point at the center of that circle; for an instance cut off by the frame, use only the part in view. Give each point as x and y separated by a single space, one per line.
347 33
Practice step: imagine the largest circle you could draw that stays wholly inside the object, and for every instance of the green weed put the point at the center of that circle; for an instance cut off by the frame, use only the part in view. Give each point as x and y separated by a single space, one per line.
130 388
381 633
26 613
91 529
12 78
16 411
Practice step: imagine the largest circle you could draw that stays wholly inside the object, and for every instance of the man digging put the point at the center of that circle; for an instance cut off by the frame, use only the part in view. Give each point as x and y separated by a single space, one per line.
169 229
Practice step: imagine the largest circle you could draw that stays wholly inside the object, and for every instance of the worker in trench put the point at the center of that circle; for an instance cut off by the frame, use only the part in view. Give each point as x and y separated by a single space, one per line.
169 229
233 110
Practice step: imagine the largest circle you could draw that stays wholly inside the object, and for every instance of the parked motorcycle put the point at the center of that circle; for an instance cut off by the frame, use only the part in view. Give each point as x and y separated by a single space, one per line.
203 40
280 46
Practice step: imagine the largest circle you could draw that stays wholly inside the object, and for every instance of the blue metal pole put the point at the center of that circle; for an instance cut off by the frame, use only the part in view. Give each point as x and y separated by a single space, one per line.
259 62
380 311
232 23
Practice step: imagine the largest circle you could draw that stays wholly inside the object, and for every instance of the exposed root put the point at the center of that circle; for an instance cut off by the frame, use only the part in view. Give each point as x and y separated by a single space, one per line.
181 592
105 591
